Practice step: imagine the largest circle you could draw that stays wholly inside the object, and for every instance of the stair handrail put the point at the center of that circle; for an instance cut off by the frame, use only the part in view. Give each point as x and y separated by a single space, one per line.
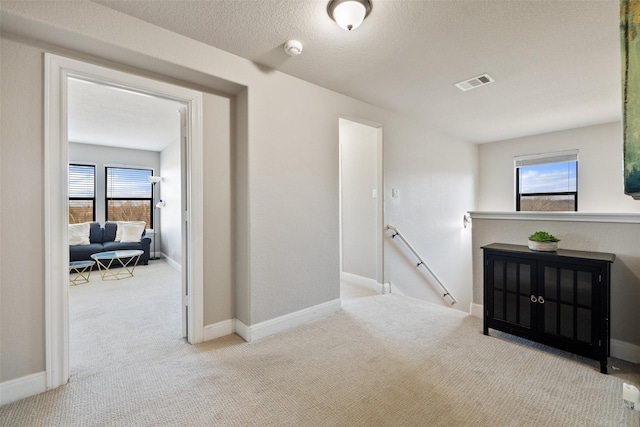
422 262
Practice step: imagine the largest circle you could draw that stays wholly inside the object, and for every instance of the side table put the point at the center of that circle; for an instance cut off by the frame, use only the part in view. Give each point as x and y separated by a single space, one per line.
81 271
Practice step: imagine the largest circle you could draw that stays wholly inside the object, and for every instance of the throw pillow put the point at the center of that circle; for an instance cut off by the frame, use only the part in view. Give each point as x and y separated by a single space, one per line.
132 232
79 234
121 224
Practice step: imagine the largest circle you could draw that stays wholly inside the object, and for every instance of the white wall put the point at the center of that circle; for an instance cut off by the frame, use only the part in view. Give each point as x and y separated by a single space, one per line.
286 181
600 179
101 156
218 204
169 243
22 340
359 148
435 177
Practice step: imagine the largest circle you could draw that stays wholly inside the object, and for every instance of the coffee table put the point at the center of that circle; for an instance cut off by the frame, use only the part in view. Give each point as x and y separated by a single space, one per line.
82 271
124 263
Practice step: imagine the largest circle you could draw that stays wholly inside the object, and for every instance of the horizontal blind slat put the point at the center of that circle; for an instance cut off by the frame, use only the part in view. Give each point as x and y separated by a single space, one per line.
82 180
128 183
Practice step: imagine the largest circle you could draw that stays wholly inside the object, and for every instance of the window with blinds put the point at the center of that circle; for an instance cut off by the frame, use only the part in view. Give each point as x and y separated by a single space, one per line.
82 193
129 195
547 182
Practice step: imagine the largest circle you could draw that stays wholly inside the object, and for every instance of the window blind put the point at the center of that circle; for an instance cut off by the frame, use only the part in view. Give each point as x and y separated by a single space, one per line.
128 183
82 179
547 158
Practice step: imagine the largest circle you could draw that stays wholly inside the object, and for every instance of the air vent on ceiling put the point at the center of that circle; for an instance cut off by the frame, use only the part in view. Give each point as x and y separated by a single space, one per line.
475 82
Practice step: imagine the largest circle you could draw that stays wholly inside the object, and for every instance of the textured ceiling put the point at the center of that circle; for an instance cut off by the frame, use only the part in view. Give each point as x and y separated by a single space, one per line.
556 63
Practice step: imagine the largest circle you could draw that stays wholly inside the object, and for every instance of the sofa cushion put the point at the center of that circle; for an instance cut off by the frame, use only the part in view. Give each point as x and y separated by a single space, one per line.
131 232
95 233
121 246
122 225
84 252
109 231
79 234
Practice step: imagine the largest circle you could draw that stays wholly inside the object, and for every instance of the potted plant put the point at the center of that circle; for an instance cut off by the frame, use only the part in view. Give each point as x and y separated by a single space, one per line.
543 241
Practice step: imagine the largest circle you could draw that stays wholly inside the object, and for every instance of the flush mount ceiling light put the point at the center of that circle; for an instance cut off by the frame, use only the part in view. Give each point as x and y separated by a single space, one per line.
349 14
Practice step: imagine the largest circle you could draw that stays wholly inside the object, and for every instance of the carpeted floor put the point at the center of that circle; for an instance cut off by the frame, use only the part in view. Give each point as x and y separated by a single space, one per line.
384 360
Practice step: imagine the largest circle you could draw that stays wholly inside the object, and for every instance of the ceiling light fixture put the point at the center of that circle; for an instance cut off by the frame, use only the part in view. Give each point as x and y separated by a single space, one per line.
349 14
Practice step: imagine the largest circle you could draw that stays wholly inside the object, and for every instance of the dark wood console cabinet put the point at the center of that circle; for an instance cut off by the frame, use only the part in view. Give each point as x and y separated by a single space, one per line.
560 298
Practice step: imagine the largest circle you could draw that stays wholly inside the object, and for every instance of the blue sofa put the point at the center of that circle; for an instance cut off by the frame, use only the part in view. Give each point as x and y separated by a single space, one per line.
102 240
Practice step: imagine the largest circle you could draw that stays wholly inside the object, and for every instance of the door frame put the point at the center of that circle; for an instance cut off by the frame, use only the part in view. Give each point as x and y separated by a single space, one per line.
57 71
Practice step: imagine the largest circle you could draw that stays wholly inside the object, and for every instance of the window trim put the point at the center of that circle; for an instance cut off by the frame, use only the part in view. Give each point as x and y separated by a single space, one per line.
95 188
545 159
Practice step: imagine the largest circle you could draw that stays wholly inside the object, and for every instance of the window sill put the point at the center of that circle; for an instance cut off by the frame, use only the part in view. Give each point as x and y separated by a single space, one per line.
625 218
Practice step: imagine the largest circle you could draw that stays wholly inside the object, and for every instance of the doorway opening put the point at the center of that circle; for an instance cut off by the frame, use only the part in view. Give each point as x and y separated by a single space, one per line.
58 71
125 154
361 204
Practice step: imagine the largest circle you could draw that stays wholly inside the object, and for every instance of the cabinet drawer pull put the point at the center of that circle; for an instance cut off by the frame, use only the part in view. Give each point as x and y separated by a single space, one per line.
533 298
541 299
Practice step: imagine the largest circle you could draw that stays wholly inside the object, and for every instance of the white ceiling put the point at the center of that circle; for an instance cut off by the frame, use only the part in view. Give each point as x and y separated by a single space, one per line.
556 64
106 115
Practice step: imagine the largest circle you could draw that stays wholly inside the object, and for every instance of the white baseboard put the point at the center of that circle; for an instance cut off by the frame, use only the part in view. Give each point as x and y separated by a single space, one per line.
176 266
243 331
22 387
365 281
288 321
619 349
220 329
625 351
476 310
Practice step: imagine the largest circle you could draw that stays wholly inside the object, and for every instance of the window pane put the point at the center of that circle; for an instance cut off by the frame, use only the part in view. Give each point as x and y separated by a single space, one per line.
129 195
80 211
550 186
82 181
129 210
82 190
548 203
128 183
548 178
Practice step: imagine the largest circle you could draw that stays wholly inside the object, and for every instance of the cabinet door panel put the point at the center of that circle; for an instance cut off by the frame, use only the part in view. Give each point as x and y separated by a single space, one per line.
550 317
525 311
525 279
498 305
585 286
511 285
512 308
498 274
566 320
567 284
511 275
584 325
550 287
570 294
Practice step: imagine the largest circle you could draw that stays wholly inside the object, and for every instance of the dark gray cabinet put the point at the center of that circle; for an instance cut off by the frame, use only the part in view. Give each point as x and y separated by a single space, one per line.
560 298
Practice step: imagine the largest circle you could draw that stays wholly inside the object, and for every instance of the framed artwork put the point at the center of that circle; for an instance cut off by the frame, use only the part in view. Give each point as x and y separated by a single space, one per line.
630 48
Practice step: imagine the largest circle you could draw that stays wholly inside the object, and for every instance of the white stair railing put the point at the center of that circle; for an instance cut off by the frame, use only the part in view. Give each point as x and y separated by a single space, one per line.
422 262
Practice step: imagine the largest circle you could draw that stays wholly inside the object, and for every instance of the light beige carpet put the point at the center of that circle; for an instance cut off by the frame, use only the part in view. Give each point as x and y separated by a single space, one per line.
384 360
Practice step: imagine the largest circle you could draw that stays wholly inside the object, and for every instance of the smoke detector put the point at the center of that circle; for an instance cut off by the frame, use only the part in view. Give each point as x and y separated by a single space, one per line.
474 82
293 47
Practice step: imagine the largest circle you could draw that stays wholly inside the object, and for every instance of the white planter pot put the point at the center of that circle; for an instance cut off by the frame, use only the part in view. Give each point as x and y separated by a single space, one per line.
543 246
